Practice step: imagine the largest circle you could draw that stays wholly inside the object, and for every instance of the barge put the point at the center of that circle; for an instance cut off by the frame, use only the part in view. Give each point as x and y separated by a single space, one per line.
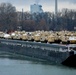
53 53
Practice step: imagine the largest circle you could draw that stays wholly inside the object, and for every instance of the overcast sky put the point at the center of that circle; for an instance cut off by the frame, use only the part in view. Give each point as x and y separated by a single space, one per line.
47 5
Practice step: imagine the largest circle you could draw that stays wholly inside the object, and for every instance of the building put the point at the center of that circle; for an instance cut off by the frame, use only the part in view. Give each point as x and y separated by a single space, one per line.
36 8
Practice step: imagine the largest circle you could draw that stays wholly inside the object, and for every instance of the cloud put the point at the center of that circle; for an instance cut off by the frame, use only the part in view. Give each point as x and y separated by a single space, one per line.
26 2
48 5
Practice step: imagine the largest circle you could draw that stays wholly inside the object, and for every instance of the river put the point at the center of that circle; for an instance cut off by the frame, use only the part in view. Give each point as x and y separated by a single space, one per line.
29 67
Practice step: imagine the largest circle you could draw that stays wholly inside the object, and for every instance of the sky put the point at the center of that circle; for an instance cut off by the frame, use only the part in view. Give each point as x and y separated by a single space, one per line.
47 5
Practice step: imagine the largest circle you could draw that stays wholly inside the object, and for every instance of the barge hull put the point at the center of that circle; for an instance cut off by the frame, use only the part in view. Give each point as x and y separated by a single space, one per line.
47 52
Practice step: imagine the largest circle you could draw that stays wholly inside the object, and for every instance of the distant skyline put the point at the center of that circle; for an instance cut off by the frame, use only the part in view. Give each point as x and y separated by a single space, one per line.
47 5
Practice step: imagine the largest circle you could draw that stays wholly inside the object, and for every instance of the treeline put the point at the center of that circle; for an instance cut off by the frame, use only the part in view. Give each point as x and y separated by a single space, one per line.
11 19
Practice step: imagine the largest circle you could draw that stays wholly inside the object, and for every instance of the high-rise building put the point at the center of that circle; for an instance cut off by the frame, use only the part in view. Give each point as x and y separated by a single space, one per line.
36 8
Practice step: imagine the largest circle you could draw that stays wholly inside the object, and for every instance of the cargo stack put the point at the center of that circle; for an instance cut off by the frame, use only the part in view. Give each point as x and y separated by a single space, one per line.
42 36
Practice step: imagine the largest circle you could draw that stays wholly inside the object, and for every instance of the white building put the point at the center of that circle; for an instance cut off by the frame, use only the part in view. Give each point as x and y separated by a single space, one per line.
36 8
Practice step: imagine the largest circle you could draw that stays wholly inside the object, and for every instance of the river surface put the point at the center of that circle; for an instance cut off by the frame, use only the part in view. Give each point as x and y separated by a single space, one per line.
27 67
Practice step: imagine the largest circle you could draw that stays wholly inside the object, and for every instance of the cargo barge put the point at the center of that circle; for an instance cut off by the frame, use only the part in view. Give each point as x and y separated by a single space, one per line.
54 47
53 53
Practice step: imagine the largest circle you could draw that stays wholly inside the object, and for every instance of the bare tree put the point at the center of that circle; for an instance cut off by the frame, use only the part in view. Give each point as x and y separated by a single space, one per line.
7 17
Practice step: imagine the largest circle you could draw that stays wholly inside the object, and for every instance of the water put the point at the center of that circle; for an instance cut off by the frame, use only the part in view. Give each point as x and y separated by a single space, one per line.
26 67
